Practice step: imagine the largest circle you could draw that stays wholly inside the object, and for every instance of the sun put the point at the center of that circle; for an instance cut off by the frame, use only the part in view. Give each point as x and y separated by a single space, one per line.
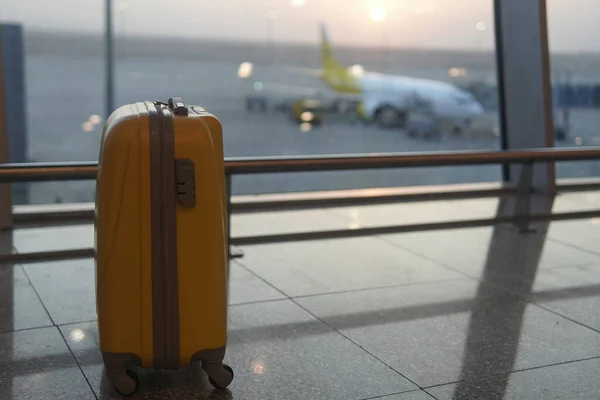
298 3
377 14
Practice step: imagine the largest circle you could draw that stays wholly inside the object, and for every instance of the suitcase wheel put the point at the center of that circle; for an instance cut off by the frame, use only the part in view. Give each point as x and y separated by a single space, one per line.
127 384
223 380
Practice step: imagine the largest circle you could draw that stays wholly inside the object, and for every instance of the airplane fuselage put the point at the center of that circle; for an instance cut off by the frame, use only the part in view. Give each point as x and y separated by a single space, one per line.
406 94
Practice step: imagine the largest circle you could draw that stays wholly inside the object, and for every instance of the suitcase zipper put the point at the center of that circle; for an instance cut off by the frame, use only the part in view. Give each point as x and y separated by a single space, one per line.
164 239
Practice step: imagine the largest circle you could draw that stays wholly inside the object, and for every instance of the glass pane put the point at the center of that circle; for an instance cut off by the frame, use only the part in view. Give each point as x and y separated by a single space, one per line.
294 77
63 88
575 62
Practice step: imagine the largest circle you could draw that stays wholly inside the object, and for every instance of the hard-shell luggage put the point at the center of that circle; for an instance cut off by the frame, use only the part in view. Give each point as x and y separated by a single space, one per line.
160 241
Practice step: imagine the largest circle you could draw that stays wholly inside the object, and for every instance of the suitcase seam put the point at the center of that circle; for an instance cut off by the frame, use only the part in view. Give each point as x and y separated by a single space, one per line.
170 241
165 308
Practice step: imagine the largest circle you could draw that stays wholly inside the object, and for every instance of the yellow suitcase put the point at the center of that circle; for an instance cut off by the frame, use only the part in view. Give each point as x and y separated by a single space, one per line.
160 242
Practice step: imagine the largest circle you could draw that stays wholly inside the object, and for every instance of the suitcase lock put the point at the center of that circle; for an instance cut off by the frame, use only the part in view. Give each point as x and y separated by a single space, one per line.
186 182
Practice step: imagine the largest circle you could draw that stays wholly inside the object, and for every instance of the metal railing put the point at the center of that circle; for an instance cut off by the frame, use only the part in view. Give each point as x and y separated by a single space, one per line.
38 172
522 217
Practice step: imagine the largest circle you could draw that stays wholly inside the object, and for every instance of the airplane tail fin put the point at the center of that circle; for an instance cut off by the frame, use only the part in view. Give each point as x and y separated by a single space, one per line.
335 73
327 57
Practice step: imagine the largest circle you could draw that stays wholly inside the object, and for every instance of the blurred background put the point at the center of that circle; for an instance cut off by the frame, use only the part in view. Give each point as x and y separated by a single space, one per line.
288 77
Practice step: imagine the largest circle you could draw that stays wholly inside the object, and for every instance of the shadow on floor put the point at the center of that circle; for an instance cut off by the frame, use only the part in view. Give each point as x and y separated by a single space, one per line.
492 342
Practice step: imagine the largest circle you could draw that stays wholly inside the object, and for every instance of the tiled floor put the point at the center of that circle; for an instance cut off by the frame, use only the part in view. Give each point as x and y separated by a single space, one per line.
486 313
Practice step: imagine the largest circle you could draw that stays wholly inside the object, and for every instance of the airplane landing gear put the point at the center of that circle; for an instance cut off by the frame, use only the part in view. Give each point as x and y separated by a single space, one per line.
388 117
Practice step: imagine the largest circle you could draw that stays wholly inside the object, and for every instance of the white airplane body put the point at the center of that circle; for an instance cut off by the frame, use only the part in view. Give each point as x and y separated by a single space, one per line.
388 99
405 92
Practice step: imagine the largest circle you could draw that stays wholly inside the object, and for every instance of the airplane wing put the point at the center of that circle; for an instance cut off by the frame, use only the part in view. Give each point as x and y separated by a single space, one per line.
272 88
281 96
311 72
281 90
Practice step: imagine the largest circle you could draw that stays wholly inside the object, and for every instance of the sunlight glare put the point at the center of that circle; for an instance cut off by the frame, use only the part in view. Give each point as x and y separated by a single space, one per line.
357 70
95 119
245 70
378 14
305 127
77 335
258 367
456 72
87 126
307 116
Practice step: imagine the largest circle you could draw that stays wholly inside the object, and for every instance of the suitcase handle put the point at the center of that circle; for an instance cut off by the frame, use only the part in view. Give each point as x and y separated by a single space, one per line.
178 106
175 104
186 182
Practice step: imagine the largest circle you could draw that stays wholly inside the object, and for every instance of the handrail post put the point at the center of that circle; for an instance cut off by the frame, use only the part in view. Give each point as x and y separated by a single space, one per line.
525 87
232 252
523 199
6 217
109 58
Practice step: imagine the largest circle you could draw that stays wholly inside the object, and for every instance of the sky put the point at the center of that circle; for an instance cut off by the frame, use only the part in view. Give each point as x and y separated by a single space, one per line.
452 24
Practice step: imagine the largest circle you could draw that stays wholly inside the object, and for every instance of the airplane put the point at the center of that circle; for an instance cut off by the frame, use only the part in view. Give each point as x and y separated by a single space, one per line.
388 99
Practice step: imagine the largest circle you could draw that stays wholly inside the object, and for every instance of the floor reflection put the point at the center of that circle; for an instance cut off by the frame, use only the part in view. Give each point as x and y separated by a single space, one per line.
184 384
492 342
494 333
